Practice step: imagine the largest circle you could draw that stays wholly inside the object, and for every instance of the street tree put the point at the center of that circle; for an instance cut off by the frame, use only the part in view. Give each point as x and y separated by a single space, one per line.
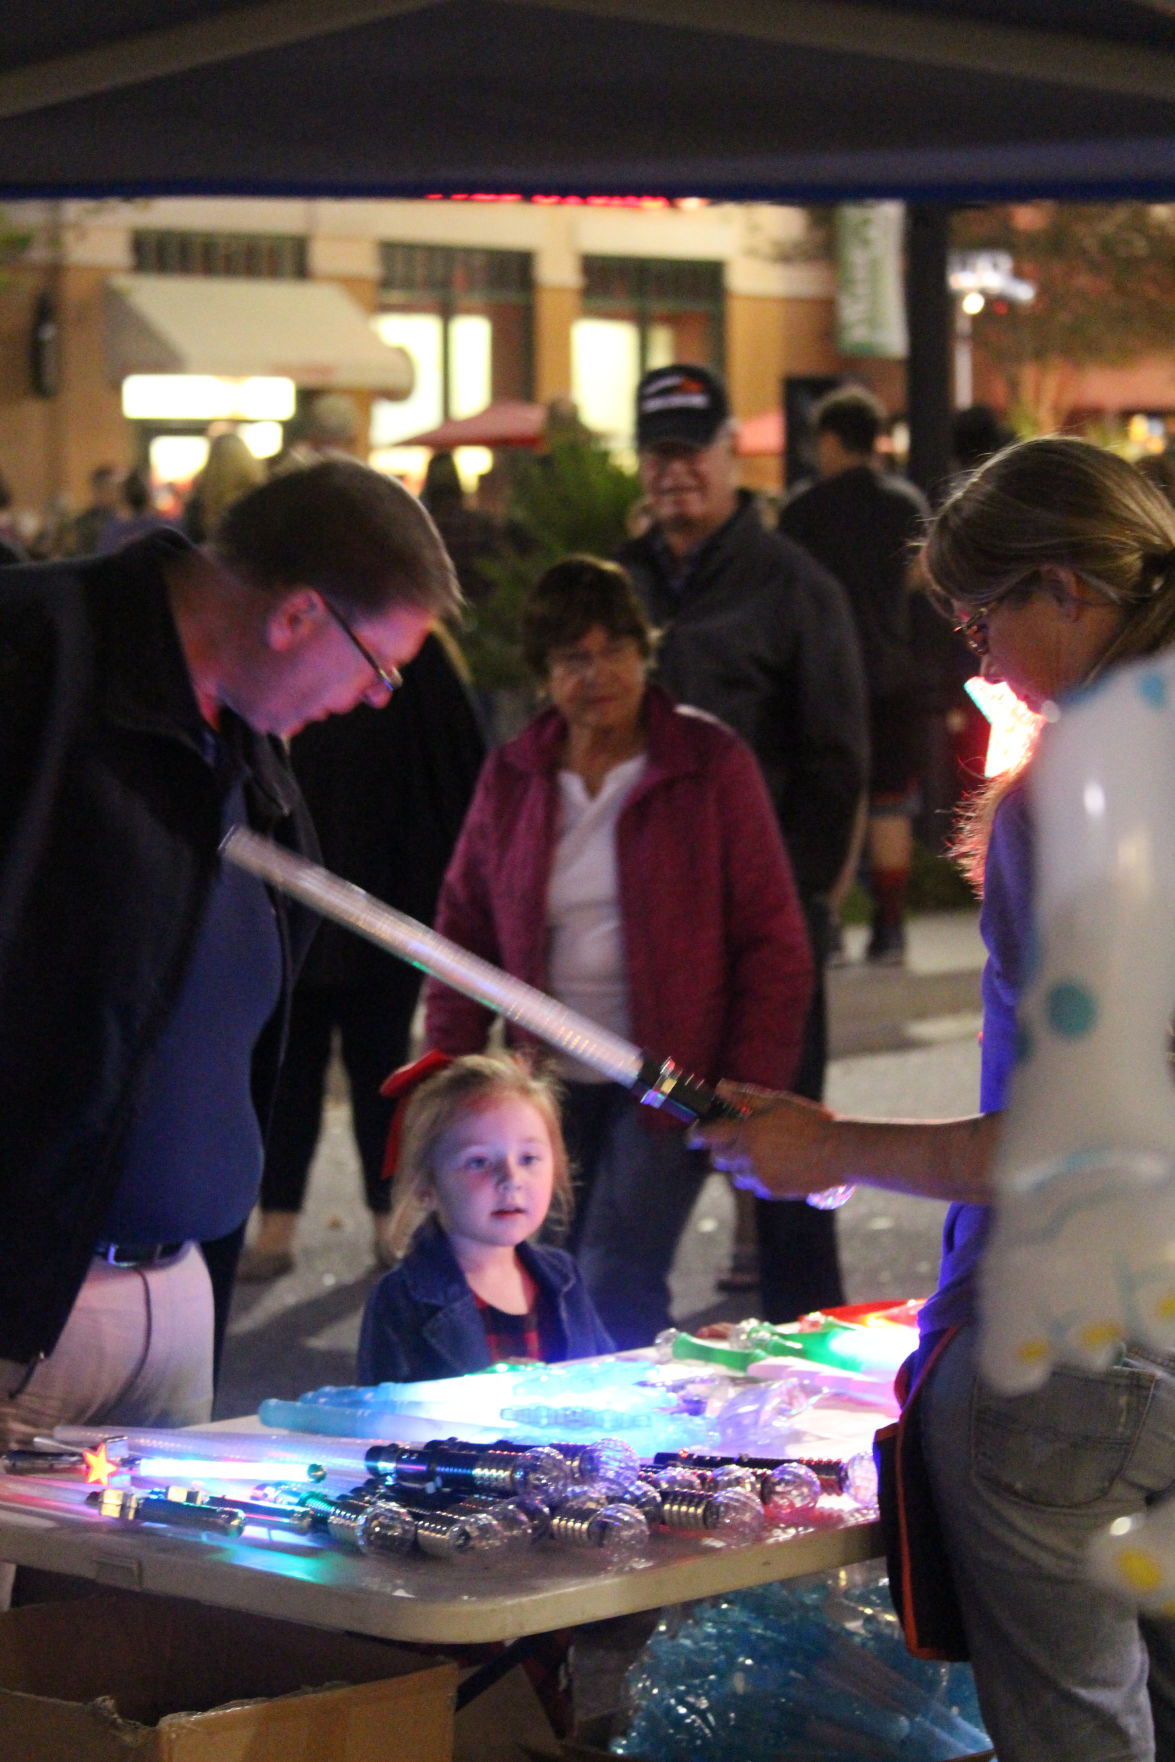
1104 275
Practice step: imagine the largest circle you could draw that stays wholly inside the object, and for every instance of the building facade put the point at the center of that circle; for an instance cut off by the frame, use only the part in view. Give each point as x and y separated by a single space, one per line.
529 300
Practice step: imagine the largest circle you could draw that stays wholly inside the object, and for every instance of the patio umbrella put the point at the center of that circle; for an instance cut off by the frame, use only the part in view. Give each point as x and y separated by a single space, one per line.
507 423
761 437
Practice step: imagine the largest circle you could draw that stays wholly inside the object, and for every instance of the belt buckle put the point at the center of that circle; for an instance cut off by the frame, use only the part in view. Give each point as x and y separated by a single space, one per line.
132 1255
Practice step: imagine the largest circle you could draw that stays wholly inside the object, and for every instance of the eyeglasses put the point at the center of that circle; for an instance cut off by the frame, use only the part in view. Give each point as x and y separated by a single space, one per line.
973 630
578 663
389 677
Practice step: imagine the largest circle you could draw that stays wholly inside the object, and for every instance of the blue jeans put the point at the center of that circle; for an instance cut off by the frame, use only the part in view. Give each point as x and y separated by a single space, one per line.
636 1185
1065 1671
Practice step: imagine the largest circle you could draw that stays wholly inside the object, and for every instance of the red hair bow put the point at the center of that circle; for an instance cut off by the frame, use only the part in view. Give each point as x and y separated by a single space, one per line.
400 1087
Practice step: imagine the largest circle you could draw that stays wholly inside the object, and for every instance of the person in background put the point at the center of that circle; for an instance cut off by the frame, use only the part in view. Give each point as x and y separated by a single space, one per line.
977 433
471 536
11 548
861 523
330 430
757 633
83 538
387 788
136 515
145 698
480 1159
229 471
1058 560
621 853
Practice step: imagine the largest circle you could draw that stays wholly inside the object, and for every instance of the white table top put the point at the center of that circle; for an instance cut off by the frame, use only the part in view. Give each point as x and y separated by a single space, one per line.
46 1523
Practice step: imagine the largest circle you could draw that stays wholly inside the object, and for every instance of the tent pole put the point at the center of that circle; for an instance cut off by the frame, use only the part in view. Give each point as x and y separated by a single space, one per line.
930 319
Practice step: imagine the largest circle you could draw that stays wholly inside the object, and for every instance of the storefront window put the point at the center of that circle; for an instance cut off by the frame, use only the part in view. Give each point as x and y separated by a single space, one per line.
640 312
606 363
160 251
465 317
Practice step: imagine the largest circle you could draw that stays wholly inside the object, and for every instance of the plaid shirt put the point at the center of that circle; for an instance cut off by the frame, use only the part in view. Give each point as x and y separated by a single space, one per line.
514 1339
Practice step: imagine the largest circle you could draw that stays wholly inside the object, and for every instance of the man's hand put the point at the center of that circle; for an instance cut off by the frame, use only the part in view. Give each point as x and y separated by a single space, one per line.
779 1151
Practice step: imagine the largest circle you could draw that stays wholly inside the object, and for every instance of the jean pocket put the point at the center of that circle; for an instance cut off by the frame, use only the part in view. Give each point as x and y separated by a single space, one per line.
1064 1445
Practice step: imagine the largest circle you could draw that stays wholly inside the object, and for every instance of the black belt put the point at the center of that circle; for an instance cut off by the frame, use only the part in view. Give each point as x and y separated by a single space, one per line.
132 1254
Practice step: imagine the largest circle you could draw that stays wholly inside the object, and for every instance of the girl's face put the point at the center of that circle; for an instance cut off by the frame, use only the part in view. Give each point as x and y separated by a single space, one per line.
494 1174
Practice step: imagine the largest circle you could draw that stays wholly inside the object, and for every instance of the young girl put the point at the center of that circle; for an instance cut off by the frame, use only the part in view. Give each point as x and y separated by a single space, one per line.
481 1158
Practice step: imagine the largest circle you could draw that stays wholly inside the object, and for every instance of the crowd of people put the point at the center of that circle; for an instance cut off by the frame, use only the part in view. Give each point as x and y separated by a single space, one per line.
727 713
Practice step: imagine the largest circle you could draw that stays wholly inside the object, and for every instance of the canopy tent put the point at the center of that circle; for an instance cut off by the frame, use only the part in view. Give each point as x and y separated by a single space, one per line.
308 331
784 99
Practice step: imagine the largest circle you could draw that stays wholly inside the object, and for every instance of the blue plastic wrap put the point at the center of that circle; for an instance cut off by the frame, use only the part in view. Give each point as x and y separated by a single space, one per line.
809 1671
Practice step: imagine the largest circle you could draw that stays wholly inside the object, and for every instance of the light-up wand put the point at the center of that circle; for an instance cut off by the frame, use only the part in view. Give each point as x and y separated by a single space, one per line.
655 1082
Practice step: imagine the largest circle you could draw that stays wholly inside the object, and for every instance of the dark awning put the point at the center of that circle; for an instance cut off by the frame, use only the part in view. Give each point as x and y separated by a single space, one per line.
787 99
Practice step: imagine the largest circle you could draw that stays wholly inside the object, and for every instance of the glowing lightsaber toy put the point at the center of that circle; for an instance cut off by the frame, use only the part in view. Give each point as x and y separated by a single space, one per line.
655 1082
178 1468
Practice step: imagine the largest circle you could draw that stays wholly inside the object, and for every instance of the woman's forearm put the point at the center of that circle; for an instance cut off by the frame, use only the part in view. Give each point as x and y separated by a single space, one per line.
932 1159
790 1148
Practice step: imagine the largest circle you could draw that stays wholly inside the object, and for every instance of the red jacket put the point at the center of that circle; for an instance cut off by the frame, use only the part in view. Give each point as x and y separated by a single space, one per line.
719 971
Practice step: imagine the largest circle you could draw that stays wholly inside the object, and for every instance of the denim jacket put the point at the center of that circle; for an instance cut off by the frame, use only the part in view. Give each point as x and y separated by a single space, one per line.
422 1320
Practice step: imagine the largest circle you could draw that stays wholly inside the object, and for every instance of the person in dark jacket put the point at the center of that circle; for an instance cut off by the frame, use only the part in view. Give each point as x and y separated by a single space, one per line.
479 1160
387 788
755 632
144 985
861 523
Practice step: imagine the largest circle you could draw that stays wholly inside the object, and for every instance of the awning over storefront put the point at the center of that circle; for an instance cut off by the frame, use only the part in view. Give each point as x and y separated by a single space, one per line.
309 331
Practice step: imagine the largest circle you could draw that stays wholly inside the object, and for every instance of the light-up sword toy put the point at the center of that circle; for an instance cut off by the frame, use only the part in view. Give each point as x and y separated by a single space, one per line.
655 1082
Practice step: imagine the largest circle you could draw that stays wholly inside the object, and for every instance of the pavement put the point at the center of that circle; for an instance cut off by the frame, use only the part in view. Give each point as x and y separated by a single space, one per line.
904 1042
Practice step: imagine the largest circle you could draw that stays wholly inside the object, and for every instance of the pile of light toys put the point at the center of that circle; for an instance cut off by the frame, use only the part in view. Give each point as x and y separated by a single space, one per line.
674 1395
446 1499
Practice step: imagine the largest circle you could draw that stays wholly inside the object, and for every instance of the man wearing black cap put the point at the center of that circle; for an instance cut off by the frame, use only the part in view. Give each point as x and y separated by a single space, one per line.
758 634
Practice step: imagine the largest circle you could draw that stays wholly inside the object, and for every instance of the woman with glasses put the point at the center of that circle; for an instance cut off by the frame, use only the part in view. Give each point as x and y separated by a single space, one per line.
1058 559
622 854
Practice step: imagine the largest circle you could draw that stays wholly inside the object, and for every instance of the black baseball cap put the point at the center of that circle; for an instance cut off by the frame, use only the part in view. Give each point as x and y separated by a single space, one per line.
682 404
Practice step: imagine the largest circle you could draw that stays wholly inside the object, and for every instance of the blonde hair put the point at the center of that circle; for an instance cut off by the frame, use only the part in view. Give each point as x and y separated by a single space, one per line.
229 471
1054 502
462 1087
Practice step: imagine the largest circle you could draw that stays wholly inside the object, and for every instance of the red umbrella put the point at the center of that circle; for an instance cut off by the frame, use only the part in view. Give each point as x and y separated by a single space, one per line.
508 423
760 437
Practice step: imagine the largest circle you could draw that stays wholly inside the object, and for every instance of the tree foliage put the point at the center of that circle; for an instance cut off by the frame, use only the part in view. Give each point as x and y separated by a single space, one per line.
575 497
1104 275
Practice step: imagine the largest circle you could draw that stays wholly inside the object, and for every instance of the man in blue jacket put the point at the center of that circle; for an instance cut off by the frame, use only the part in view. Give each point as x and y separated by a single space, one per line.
144 701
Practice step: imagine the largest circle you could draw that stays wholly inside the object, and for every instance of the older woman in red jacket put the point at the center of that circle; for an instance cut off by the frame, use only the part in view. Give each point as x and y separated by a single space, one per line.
622 854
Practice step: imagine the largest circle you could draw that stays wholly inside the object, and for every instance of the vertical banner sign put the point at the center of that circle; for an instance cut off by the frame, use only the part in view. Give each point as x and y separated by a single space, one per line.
870 285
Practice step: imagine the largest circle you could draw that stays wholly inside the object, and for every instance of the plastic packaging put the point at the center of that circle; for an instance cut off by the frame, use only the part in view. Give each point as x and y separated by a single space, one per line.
808 1671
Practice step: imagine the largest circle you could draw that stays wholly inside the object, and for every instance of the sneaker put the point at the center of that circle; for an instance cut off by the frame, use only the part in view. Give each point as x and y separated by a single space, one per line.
887 946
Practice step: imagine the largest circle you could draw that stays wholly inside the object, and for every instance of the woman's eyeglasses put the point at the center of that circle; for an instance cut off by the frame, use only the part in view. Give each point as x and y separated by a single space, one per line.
389 677
973 630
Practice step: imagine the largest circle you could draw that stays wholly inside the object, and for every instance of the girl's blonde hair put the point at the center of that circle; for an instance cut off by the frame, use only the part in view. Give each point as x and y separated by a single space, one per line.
1061 502
465 1085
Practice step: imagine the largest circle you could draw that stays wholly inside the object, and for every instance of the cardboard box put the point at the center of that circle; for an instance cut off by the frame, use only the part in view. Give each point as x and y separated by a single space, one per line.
136 1678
